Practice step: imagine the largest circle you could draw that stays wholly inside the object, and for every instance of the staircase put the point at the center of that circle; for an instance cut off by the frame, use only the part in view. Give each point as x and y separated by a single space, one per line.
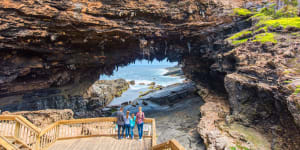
17 144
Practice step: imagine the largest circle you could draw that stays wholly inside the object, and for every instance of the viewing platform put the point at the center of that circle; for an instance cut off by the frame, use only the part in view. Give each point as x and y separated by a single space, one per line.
90 134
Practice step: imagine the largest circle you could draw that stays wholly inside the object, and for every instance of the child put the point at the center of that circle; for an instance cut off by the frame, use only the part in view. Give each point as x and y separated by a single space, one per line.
132 124
127 124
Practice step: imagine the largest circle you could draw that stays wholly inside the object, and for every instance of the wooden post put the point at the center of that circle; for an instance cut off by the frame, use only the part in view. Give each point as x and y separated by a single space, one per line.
17 130
153 132
38 141
57 132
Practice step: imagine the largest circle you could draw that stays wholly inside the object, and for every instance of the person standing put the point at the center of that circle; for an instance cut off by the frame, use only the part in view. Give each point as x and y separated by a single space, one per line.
127 125
140 116
120 123
132 124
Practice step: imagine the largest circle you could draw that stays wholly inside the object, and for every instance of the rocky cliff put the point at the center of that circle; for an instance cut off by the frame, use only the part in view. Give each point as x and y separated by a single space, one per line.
53 51
258 72
50 44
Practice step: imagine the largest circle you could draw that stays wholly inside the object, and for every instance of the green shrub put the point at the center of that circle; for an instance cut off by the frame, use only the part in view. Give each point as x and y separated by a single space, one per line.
287 81
242 12
237 42
265 37
284 22
297 91
239 147
238 38
239 34
232 148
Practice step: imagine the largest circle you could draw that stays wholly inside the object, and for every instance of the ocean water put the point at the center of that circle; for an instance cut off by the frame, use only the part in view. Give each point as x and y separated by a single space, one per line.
142 72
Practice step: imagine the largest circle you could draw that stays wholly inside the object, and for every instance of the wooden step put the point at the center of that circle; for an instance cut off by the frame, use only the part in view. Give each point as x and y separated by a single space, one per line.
17 143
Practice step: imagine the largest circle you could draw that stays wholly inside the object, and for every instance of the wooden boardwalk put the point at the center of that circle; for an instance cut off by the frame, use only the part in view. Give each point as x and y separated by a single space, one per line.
76 134
101 143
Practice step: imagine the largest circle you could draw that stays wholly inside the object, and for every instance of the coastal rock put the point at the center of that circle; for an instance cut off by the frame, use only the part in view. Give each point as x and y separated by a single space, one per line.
169 126
106 90
43 118
257 92
171 94
151 84
294 107
132 82
96 97
64 46
174 71
52 52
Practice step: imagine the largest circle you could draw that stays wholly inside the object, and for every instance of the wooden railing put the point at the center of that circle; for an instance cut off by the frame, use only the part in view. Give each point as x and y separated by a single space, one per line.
21 129
33 138
170 145
81 128
5 144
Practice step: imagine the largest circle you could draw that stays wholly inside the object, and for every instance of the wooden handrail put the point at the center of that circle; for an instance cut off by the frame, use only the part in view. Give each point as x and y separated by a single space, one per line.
28 123
20 119
46 129
175 145
6 144
169 145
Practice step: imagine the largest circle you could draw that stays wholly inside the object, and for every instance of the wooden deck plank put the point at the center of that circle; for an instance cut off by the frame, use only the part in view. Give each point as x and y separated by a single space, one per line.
102 143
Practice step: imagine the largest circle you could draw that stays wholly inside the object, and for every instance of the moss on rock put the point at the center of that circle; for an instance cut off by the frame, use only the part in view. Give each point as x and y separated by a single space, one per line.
242 12
284 22
265 37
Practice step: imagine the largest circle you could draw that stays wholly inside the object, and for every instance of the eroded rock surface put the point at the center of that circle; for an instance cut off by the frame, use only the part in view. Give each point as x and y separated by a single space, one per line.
102 92
252 76
43 118
51 52
171 94
66 44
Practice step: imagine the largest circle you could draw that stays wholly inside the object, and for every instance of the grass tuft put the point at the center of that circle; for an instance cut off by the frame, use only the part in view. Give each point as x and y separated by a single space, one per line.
284 22
240 34
242 12
265 37
237 42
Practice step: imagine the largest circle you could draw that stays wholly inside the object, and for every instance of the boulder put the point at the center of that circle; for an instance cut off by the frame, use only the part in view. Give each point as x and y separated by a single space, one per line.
132 82
171 94
151 84
103 92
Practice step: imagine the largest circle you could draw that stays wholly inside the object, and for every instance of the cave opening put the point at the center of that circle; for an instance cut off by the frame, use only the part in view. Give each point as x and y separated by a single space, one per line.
144 76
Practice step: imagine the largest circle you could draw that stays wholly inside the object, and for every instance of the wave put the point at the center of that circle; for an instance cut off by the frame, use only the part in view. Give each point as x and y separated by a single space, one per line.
141 81
137 85
162 71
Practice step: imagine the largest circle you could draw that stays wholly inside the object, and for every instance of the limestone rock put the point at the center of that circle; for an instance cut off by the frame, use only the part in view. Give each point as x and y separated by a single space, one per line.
43 118
171 94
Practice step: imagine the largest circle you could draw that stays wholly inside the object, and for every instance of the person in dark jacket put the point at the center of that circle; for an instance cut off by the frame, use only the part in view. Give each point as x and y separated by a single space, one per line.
120 123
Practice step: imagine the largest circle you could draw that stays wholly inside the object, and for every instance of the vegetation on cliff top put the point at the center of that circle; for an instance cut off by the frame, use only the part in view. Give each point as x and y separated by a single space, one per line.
267 20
